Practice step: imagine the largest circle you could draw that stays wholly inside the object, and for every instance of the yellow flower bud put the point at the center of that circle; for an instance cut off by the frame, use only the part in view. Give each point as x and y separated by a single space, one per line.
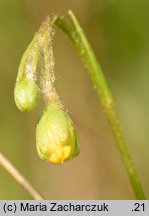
56 138
26 95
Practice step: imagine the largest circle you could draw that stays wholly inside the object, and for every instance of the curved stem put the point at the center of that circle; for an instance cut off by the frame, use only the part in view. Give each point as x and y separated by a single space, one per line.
96 74
30 57
19 177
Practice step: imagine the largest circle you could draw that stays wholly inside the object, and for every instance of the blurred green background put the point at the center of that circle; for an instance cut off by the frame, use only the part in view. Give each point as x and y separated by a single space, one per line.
118 30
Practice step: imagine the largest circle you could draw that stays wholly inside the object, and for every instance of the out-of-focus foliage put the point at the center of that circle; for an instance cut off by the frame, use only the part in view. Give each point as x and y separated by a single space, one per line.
118 31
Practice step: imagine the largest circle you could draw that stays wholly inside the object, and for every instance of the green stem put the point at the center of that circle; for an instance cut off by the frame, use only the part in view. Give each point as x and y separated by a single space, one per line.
96 74
31 57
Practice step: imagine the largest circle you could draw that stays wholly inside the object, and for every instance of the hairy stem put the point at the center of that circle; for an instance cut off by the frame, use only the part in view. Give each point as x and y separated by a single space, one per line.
96 74
19 177
30 58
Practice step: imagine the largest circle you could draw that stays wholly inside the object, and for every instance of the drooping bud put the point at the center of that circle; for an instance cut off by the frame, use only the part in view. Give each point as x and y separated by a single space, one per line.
26 92
26 95
56 138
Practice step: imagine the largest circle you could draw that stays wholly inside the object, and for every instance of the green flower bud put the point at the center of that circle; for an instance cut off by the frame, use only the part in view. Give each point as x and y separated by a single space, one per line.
26 95
56 138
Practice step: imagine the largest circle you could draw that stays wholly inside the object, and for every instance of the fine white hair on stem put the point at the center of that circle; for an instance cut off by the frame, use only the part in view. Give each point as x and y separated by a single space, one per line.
47 64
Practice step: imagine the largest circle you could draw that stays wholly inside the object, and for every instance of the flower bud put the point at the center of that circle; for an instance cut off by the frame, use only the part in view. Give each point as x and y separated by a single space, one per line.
26 95
56 138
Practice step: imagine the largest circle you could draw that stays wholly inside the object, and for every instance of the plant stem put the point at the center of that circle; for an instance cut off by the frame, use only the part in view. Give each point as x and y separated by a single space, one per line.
96 74
30 57
19 177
